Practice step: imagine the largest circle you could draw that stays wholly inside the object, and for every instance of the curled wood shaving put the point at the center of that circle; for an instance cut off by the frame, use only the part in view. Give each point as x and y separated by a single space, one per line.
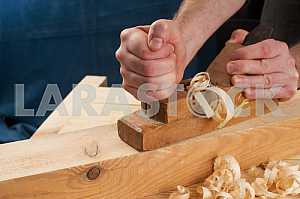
182 193
225 110
226 182
275 180
281 180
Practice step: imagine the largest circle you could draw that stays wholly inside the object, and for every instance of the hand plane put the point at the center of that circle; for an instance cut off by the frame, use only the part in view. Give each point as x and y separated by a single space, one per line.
145 133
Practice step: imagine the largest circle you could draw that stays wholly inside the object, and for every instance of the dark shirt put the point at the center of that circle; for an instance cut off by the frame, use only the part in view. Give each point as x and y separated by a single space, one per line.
284 17
59 42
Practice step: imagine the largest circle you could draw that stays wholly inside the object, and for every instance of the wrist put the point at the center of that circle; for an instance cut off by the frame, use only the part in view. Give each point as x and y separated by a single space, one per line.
193 38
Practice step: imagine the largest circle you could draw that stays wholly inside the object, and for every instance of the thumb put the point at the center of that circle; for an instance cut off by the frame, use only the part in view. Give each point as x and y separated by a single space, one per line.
238 36
159 34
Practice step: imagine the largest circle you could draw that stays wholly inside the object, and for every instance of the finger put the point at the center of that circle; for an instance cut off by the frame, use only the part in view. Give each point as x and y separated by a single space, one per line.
255 67
168 31
263 50
162 94
161 32
261 81
283 93
149 95
136 41
153 83
149 68
238 36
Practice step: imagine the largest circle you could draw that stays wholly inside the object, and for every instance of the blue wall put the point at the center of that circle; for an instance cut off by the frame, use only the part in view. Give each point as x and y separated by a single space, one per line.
61 41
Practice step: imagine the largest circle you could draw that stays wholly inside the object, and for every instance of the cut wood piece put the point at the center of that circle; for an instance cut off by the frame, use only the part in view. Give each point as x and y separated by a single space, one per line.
55 122
119 101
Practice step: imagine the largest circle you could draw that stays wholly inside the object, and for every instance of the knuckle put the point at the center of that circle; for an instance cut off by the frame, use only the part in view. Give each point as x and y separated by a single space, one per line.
284 46
144 53
266 48
268 80
125 34
162 24
125 74
235 80
290 92
122 72
119 54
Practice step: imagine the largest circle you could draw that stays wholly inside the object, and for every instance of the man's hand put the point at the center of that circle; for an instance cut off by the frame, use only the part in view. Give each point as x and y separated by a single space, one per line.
152 55
265 70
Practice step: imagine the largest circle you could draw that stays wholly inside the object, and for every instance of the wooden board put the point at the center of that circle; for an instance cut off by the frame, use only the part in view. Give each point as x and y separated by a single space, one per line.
67 165
132 175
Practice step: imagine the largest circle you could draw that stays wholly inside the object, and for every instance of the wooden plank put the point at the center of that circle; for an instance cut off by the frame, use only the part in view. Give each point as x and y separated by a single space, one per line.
58 123
58 166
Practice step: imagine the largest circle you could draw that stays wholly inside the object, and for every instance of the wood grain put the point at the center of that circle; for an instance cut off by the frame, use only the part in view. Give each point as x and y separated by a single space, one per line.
57 167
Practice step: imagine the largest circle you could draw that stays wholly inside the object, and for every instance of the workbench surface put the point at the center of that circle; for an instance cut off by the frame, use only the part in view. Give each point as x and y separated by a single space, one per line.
81 156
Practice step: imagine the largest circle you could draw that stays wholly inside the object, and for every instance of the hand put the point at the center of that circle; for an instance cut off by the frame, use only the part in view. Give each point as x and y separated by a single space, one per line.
152 55
265 70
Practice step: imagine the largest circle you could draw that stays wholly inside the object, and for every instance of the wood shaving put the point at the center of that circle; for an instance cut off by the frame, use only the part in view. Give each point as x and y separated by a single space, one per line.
182 193
274 180
225 110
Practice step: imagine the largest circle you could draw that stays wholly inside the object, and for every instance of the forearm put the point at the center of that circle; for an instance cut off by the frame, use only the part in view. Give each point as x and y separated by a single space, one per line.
295 51
199 19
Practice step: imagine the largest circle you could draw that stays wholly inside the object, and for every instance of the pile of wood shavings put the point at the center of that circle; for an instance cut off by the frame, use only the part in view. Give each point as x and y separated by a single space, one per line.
275 180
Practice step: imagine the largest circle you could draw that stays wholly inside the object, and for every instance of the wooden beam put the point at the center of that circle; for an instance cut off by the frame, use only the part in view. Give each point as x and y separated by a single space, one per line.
95 163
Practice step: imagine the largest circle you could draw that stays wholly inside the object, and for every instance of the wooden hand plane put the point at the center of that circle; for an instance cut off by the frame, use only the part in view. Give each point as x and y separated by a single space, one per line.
164 128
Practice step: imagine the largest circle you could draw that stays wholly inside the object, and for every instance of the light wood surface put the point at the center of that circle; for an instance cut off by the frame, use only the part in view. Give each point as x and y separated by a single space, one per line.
58 123
61 166
65 165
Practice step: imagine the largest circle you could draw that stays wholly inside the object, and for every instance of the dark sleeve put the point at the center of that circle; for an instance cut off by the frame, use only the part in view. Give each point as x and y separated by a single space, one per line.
284 17
14 132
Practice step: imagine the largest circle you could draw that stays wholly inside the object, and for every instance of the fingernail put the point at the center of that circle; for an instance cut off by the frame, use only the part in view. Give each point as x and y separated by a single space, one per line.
239 81
231 67
156 43
171 48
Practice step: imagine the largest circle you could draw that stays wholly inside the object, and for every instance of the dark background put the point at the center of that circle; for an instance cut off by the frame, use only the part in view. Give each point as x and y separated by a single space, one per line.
61 41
